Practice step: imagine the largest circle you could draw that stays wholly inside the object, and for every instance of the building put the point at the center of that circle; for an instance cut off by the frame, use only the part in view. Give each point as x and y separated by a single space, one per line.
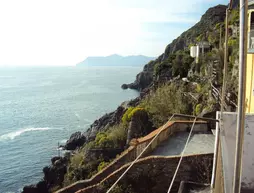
200 48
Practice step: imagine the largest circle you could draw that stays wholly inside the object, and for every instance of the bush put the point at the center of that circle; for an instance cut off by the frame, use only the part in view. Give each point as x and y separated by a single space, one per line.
102 165
234 17
125 119
130 113
198 89
233 42
114 137
198 109
165 101
118 135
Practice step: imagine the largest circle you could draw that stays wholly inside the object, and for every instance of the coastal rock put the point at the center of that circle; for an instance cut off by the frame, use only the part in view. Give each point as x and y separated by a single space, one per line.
30 189
104 122
40 187
54 174
124 86
144 78
134 102
54 159
76 140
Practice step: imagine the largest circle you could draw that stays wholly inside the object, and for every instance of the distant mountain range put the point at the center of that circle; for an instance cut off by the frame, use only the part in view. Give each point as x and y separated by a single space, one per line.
116 60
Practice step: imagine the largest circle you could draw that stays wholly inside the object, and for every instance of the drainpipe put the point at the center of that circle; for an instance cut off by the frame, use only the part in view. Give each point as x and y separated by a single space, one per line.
241 96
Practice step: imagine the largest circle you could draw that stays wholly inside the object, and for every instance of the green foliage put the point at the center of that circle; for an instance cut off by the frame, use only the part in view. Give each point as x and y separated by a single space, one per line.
134 111
200 38
114 137
129 114
234 17
165 101
218 25
198 88
79 168
190 45
233 42
121 188
102 165
77 159
103 141
126 114
118 134
164 65
198 109
181 64
156 69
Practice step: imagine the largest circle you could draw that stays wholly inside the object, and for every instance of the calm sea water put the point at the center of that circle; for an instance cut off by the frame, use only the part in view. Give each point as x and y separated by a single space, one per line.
40 107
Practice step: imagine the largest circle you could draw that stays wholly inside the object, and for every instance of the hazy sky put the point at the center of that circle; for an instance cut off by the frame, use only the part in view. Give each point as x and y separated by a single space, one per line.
65 32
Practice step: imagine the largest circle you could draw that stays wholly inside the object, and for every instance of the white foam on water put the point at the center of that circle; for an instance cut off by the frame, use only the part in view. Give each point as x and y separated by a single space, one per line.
14 134
63 141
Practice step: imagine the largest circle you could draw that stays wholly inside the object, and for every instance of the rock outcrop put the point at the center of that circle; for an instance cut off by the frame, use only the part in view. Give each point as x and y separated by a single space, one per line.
104 122
53 176
140 125
77 139
40 187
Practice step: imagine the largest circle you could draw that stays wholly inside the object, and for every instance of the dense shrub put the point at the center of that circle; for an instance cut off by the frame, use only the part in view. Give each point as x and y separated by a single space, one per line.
126 114
102 165
114 137
165 101
198 109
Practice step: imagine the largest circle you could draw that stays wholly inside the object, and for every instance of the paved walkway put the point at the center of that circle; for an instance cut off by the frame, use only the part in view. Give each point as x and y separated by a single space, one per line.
174 145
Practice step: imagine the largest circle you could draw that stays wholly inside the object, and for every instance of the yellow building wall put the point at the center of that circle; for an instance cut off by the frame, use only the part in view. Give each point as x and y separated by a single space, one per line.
250 72
250 84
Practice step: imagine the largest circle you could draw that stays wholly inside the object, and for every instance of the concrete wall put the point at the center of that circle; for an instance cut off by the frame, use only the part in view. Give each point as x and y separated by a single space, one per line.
136 147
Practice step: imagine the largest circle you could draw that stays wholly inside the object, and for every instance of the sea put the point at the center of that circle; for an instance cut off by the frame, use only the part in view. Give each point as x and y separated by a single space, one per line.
42 106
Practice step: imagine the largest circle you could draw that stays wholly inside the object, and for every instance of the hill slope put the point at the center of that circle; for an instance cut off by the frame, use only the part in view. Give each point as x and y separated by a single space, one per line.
116 60
207 23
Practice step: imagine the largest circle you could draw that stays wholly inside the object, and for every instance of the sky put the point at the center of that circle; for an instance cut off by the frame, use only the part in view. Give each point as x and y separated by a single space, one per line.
65 32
